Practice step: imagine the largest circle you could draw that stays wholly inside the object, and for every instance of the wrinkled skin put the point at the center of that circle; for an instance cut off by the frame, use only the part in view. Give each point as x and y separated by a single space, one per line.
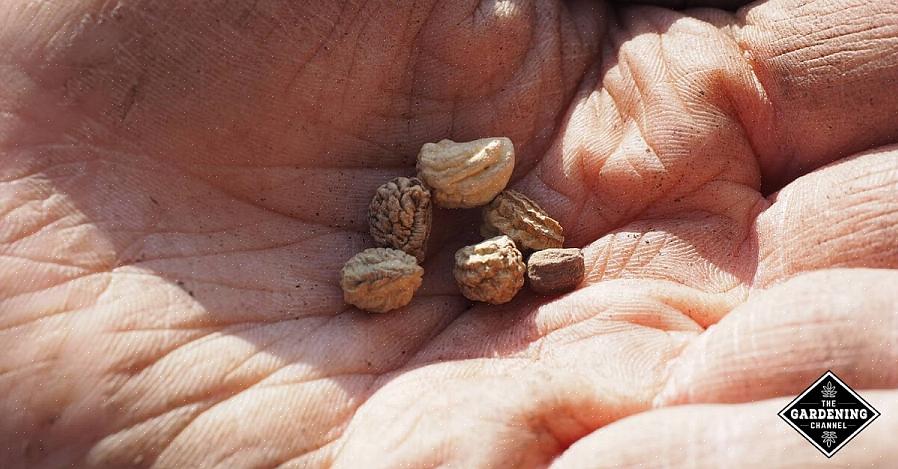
179 189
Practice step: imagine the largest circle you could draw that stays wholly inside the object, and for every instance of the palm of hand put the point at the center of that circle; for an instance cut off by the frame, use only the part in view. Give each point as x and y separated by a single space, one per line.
181 192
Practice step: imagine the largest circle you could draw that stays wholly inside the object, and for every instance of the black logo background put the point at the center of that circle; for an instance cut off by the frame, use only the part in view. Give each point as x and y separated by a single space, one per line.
845 399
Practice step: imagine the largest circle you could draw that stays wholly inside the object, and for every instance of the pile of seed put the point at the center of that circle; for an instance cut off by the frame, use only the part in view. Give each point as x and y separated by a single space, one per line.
460 175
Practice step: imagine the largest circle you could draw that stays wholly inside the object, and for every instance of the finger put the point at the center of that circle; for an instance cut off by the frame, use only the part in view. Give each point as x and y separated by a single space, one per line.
785 337
747 435
844 215
652 153
682 101
827 70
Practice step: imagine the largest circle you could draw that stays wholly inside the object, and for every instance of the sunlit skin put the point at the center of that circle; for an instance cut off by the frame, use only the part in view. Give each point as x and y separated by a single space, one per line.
180 183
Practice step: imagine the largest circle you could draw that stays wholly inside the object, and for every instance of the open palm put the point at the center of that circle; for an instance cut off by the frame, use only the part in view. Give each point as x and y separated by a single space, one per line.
180 186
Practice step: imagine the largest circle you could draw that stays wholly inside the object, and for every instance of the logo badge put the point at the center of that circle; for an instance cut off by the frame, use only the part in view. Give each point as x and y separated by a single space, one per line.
829 414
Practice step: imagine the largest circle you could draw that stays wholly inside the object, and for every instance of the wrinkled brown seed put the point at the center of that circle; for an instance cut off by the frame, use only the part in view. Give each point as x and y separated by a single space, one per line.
553 271
400 216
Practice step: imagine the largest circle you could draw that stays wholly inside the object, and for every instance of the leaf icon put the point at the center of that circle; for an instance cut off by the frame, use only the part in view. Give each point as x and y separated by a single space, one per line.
829 390
829 438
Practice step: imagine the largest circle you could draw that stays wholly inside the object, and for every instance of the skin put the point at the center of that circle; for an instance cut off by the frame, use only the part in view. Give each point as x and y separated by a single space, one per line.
178 190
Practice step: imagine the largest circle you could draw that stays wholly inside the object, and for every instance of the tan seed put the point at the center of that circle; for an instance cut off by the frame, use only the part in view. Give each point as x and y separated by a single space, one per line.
466 174
380 279
515 215
491 271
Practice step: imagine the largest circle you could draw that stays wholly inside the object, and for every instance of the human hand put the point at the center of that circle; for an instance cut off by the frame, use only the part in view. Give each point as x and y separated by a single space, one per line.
181 185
